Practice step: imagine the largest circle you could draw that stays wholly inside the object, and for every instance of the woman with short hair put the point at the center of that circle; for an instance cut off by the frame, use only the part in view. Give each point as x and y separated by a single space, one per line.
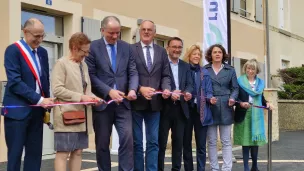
71 83
249 129
225 89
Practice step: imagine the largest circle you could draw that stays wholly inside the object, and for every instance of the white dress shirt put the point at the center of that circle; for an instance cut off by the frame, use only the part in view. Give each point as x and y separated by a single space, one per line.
174 69
145 51
222 66
252 85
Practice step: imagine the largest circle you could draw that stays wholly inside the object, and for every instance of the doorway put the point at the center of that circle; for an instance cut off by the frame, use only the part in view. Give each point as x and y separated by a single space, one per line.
48 135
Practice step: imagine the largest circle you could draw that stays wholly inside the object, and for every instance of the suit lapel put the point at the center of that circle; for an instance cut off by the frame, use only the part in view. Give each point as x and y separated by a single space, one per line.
104 52
119 55
180 73
155 57
172 78
212 74
221 74
141 55
40 61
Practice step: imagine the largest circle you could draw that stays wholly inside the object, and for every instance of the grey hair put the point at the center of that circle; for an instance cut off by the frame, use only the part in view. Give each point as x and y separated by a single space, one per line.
31 22
252 63
150 22
107 19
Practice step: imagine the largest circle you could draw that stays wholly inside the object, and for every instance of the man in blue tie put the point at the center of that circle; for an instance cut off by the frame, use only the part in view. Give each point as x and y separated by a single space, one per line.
154 74
27 70
114 76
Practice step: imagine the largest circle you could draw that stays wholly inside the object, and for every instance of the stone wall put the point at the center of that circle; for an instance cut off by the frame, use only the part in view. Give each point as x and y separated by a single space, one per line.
291 114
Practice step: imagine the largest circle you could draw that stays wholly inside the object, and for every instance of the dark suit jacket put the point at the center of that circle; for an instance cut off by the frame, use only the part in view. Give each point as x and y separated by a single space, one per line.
158 78
21 83
102 75
239 111
185 85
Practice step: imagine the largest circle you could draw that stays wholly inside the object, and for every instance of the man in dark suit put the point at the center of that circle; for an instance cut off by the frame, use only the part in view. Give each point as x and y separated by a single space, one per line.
27 69
113 74
154 74
175 112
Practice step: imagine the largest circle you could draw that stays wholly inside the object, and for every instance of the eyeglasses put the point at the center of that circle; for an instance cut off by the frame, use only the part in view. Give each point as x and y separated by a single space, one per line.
85 52
37 36
176 47
146 30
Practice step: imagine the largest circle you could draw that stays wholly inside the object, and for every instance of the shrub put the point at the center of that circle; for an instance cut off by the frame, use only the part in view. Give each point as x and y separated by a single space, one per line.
293 87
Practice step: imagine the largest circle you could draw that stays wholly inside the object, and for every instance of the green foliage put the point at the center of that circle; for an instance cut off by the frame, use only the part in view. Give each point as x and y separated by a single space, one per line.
293 87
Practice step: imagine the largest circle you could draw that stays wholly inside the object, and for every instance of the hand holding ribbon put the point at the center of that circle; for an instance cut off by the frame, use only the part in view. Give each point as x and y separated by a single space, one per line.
147 92
116 95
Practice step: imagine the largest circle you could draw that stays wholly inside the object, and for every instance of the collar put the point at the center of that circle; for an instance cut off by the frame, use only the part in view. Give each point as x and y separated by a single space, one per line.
170 61
144 45
107 42
30 46
223 66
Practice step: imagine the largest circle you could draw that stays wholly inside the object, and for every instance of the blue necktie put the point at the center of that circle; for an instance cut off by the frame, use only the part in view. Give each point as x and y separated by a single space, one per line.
113 57
36 63
149 59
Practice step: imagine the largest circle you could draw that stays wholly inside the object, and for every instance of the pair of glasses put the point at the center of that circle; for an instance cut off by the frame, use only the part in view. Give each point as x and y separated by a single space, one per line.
146 30
38 36
176 47
85 52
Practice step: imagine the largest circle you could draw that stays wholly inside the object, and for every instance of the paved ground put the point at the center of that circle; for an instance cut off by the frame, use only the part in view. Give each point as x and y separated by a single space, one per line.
288 155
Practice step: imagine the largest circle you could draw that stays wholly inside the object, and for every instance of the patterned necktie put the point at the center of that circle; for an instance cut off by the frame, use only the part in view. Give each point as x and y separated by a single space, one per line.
149 59
36 62
113 57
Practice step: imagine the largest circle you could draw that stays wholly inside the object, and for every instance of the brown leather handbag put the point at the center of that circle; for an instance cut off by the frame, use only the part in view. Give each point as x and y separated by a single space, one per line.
74 117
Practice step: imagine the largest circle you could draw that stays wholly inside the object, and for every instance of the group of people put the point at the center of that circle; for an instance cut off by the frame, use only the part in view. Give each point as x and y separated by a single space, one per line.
148 84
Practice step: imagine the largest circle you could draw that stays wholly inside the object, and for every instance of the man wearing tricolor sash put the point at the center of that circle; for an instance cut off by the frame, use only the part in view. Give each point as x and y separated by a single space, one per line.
27 70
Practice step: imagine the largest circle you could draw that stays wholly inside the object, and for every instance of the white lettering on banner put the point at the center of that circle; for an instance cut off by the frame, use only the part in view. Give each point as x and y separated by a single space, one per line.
215 24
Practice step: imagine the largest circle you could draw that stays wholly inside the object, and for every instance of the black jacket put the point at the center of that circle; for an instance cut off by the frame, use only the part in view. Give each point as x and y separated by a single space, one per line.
240 112
185 85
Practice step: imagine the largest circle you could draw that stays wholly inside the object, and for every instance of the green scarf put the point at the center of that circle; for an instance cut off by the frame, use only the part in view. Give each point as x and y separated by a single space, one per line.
258 127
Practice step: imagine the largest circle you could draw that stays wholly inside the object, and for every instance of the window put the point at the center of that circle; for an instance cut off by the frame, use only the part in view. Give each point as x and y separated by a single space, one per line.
125 34
235 6
259 11
52 24
285 64
243 8
284 14
242 63
159 42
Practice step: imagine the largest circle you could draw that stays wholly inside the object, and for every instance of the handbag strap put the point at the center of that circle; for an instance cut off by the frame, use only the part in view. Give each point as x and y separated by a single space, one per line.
84 83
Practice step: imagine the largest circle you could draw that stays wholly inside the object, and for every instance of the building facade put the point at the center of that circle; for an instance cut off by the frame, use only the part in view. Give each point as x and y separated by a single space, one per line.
182 18
286 36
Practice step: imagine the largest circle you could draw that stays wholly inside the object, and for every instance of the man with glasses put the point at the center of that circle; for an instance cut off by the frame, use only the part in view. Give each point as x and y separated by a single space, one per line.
27 70
154 75
114 76
175 111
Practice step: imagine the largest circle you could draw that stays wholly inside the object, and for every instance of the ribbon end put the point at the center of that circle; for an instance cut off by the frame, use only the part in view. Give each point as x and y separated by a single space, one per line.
5 111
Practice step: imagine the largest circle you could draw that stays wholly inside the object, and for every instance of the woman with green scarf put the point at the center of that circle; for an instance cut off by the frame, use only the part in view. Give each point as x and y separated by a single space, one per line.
249 129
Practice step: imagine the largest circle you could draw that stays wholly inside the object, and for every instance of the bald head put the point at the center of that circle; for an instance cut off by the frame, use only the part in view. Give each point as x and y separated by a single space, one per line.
33 30
32 22
110 20
110 28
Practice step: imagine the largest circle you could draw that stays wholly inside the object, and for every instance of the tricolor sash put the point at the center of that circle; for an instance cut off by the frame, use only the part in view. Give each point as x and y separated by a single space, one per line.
29 58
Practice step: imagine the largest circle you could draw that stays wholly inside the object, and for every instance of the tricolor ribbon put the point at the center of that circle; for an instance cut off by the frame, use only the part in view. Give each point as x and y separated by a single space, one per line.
106 102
